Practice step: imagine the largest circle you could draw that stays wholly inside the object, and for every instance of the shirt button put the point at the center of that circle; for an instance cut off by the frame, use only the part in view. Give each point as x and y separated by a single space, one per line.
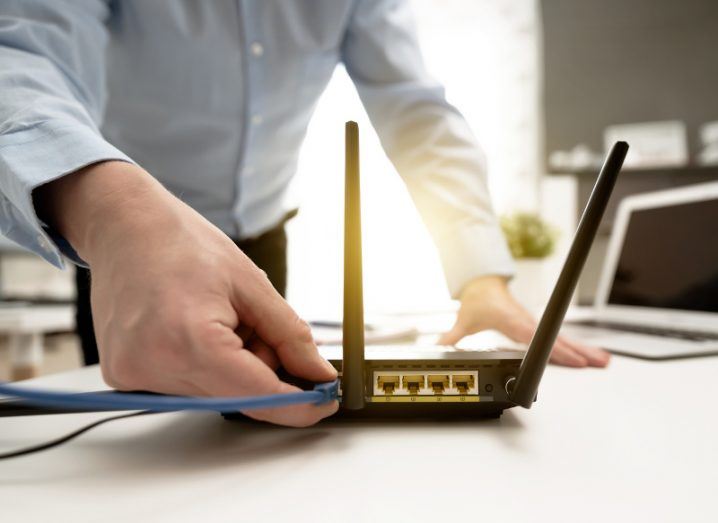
43 243
257 49
257 119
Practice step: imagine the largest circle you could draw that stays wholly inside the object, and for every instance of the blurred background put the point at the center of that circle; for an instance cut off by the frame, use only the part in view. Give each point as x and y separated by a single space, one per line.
544 85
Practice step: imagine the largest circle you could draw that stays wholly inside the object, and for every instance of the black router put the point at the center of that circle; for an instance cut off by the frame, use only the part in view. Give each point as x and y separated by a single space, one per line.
415 381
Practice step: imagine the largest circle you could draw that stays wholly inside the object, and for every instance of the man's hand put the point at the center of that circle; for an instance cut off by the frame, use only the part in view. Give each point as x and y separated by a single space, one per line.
177 307
486 303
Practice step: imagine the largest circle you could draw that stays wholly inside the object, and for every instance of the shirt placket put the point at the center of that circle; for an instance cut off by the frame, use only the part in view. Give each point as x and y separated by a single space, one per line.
253 57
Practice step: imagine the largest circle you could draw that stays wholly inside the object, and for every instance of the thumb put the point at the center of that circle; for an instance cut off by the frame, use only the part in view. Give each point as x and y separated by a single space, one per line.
259 305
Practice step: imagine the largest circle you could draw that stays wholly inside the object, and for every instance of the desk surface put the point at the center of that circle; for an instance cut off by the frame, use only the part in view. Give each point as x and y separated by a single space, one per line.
635 442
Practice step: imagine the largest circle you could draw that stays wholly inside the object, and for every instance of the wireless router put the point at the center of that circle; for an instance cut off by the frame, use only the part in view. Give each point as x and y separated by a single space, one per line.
382 381
409 380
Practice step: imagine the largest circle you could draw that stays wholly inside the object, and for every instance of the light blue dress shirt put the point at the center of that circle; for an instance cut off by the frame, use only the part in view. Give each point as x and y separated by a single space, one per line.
213 98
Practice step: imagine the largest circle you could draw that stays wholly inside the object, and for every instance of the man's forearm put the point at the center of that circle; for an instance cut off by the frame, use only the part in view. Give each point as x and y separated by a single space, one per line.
97 200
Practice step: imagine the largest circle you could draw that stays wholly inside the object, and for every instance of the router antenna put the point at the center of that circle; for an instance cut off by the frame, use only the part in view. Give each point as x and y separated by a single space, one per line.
522 388
353 324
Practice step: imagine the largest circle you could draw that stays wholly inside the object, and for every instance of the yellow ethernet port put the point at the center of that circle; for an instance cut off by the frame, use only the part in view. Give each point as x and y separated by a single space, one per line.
438 382
388 383
412 383
463 382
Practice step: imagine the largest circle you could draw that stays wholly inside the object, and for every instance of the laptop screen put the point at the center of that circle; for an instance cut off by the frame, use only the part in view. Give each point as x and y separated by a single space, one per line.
669 258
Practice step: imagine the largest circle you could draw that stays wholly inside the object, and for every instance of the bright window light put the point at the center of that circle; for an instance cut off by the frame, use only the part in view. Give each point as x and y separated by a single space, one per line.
485 53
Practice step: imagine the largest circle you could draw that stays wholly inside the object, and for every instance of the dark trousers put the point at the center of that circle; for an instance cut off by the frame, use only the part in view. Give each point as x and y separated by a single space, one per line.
268 252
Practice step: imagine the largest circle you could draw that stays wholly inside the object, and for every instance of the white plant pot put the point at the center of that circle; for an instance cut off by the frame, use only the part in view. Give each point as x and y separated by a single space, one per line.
533 283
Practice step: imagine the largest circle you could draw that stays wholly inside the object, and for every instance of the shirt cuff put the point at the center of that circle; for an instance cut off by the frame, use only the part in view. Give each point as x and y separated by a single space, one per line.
34 157
471 251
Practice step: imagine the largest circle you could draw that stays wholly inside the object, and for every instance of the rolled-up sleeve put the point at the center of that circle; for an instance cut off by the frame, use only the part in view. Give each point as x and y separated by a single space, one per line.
52 94
427 140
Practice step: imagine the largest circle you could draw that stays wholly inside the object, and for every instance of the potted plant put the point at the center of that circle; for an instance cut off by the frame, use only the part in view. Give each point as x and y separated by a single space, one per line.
531 241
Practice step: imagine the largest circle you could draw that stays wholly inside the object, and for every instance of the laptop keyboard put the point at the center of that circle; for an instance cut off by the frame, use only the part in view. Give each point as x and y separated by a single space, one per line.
651 331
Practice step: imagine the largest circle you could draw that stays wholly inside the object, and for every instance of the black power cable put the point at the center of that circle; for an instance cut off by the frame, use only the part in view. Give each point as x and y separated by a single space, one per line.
72 435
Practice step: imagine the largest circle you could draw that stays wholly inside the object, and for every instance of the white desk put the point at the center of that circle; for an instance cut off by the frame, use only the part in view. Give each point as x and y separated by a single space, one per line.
636 442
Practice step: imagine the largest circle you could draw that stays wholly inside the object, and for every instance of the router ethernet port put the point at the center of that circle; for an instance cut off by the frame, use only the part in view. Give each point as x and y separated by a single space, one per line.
464 383
388 383
412 383
438 382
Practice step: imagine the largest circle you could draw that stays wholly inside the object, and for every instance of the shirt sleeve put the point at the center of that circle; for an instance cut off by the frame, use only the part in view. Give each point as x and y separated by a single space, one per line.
427 140
52 74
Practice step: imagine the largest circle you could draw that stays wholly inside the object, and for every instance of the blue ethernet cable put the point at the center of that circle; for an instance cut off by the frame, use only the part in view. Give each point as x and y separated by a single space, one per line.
149 404
112 400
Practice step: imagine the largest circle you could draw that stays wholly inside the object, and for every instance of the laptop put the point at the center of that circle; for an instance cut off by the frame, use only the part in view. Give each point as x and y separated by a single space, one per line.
658 292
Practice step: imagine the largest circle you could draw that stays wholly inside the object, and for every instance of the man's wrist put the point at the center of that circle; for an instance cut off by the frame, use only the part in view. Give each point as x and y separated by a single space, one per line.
482 285
88 205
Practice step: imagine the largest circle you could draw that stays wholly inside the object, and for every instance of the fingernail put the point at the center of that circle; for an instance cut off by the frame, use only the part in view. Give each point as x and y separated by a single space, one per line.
330 367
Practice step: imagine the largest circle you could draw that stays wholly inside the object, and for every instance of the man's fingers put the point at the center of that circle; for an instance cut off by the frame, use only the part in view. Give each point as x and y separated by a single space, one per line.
265 353
230 370
562 354
296 415
568 358
243 374
254 343
276 323
453 336
594 356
